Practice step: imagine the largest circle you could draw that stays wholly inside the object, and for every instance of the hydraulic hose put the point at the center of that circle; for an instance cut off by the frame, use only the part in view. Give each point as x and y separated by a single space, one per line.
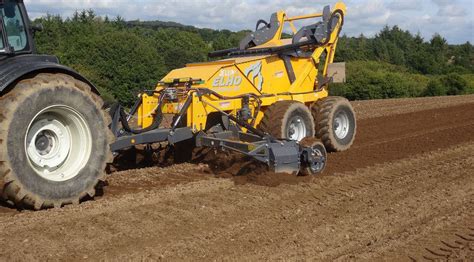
156 121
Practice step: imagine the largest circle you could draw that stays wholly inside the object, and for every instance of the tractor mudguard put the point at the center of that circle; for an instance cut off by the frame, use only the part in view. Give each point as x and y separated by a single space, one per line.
15 68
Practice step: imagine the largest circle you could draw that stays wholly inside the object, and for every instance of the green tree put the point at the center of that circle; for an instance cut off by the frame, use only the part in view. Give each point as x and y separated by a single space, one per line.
123 57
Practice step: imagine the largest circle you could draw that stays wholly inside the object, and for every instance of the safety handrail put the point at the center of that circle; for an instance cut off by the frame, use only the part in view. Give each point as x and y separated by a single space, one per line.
303 17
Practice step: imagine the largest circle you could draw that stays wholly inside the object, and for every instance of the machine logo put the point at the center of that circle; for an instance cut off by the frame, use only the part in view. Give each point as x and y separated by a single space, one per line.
255 71
226 78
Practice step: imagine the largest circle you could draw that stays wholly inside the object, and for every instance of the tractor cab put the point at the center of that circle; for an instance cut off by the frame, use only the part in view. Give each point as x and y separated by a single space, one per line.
15 37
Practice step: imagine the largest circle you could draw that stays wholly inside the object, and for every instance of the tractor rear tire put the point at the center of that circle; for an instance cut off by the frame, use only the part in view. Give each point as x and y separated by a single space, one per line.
54 142
335 122
288 120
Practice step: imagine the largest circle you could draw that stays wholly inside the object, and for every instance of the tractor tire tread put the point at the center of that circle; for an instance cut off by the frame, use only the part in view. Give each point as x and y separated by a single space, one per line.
10 188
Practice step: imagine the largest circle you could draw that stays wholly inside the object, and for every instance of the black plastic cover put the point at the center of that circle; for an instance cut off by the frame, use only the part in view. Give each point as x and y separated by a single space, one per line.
14 68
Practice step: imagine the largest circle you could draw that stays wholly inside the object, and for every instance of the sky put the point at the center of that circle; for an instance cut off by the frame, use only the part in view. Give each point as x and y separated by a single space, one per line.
453 19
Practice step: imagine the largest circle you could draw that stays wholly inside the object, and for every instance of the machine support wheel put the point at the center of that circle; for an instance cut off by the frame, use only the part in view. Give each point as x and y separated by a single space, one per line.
54 142
315 162
335 122
288 120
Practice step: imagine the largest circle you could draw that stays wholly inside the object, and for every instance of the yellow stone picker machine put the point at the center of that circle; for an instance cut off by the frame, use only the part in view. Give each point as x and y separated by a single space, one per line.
266 99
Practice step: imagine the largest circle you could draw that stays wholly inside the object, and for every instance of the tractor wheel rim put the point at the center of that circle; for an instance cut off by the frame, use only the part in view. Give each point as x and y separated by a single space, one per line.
341 125
296 129
58 143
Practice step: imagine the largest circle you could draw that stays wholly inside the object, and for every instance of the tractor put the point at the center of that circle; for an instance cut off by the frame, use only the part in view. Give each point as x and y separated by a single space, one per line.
54 135
266 99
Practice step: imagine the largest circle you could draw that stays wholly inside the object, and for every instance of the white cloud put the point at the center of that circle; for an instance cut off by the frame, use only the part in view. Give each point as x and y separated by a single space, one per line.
452 10
451 18
403 5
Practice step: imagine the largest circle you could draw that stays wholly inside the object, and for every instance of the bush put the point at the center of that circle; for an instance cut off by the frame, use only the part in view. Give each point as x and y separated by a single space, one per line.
469 78
435 88
375 80
455 84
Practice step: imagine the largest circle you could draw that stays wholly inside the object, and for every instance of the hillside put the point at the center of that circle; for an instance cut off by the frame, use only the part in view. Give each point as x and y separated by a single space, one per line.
124 57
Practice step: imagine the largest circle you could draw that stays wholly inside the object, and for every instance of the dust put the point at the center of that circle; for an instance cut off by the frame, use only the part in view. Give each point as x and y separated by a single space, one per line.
244 170
240 169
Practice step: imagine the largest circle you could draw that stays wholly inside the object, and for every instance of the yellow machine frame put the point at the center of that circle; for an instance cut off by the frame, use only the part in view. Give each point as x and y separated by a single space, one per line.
264 76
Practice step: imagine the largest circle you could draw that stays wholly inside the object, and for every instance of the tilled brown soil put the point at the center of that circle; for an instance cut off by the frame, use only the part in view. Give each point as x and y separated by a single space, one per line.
384 107
404 191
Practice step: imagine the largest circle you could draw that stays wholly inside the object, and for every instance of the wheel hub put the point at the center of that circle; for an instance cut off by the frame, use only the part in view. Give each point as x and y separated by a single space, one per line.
341 125
48 144
44 143
291 131
296 129
319 161
58 143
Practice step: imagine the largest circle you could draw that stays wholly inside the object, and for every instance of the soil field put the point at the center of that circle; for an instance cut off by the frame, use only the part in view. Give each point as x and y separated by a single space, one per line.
403 192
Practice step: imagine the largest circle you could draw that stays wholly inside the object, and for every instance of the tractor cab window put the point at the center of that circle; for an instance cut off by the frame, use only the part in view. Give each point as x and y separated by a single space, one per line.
13 25
2 45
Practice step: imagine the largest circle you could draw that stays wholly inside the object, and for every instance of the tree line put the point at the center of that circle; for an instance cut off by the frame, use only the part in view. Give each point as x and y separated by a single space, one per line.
123 57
